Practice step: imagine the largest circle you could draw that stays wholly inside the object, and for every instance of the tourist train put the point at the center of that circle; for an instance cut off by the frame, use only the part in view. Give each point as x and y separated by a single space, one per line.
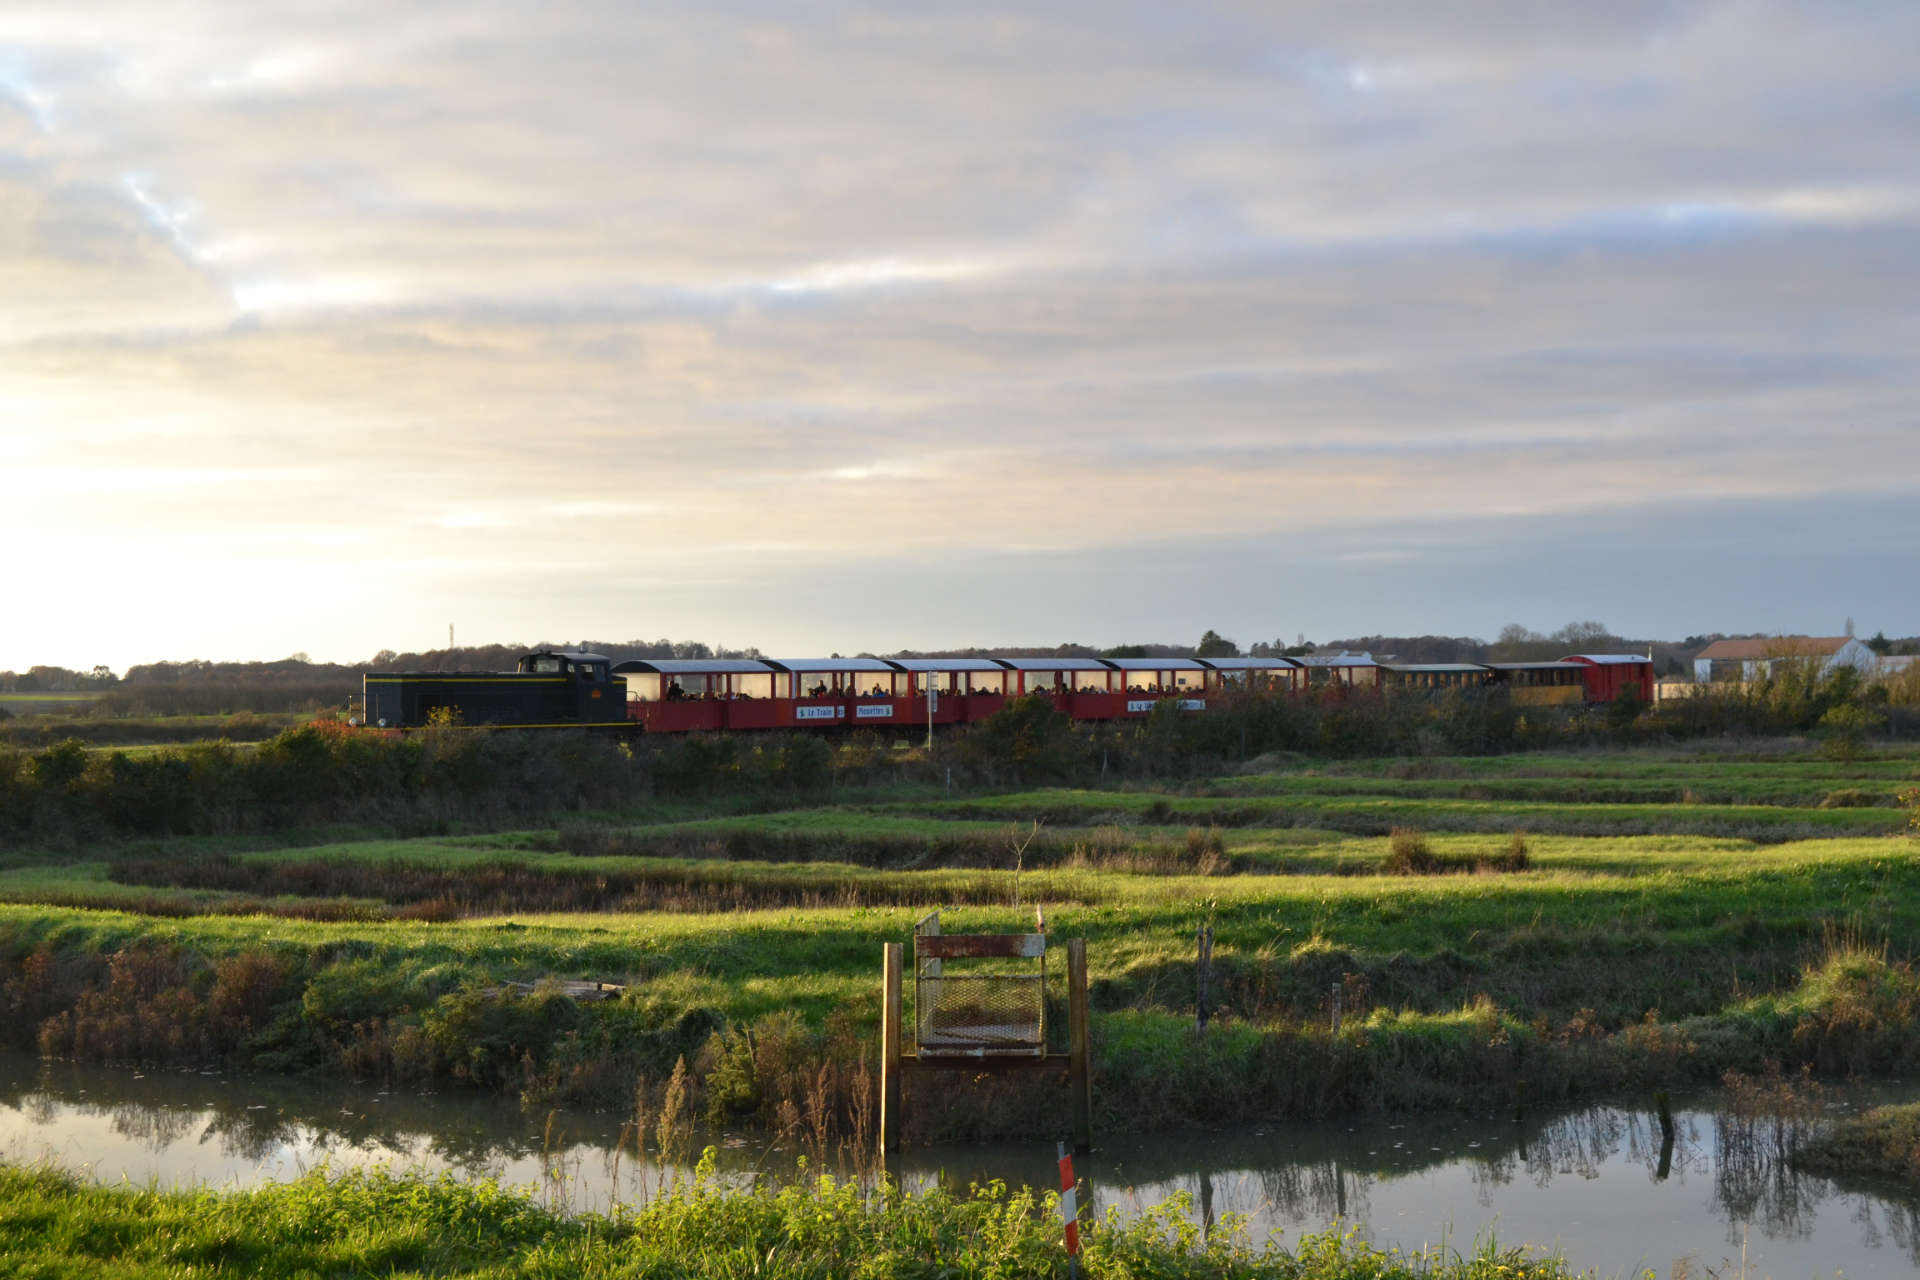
568 688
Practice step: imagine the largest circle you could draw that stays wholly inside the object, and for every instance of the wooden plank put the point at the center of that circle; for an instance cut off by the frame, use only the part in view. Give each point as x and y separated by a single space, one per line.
982 945
892 1119
1078 1030
991 1064
929 927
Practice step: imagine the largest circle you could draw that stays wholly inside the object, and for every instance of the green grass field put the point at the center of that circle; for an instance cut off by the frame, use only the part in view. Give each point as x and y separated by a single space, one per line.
1636 939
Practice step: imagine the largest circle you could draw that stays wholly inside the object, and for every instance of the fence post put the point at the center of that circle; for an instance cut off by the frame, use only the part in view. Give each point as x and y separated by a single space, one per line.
1203 965
1080 1049
892 1121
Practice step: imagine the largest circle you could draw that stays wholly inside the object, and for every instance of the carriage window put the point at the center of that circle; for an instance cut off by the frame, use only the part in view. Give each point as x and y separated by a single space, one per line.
548 666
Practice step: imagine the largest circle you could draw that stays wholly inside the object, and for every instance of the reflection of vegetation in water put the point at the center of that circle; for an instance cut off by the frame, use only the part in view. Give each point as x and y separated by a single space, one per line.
1743 1150
269 1116
1320 1191
154 1128
1743 1147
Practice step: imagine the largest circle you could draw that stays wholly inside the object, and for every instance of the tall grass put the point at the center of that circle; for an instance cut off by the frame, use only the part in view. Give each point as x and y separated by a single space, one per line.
53 1224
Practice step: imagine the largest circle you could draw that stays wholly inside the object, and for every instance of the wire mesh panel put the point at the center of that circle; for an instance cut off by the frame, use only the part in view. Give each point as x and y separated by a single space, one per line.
980 995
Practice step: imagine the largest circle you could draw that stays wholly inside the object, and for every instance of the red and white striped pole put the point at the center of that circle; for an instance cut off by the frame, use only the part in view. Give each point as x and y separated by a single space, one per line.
1069 1213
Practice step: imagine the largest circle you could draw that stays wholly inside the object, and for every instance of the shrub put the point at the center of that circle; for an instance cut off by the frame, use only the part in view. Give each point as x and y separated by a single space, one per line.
1517 857
1408 854
1843 730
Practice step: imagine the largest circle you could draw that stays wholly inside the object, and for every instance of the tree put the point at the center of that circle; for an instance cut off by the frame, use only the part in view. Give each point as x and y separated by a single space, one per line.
1126 651
1580 635
1215 645
1880 644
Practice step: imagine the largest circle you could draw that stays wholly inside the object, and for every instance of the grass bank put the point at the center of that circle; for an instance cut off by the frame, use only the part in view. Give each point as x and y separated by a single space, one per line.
53 1226
1471 964
1567 988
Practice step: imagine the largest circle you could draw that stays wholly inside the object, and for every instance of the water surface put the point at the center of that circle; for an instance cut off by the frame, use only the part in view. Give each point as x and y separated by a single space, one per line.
1590 1182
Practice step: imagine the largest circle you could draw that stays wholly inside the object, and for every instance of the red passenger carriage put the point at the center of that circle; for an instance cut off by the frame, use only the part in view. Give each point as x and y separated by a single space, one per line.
1609 675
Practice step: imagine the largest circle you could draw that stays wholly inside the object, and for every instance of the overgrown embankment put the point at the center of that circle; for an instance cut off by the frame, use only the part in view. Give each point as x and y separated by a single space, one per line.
770 1017
1487 967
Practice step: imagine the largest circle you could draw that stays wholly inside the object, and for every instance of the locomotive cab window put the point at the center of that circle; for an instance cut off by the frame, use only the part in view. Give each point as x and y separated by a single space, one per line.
548 666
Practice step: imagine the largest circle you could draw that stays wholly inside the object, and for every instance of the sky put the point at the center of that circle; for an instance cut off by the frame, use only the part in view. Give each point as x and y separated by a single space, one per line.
325 324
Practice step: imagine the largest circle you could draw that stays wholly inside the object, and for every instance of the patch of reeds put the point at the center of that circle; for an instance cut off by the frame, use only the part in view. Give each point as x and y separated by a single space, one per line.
1409 854
1855 798
350 889
1106 847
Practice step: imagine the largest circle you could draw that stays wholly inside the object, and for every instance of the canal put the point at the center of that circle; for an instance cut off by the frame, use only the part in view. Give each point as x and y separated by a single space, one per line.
1592 1182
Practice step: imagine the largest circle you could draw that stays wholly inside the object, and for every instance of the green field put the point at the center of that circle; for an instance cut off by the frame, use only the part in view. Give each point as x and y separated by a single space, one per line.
1668 916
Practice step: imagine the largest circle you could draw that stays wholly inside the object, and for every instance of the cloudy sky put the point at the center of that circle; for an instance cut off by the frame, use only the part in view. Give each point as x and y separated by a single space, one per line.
326 323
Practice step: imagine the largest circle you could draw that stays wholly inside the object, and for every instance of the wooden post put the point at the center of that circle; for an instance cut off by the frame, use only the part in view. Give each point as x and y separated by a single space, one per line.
892 1120
1080 1050
1202 965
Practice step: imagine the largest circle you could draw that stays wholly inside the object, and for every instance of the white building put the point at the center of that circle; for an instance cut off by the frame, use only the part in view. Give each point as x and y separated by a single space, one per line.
1764 655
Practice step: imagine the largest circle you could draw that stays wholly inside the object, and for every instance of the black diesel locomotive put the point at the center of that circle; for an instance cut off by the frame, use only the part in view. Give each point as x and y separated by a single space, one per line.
550 689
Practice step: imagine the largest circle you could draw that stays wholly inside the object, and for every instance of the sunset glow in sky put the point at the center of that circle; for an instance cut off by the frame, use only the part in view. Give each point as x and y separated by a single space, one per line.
861 327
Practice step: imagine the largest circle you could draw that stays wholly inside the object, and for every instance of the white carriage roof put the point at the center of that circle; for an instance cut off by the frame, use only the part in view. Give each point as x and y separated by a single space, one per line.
1248 664
1053 664
1433 666
1337 660
1607 659
696 666
829 664
945 664
1154 664
1534 666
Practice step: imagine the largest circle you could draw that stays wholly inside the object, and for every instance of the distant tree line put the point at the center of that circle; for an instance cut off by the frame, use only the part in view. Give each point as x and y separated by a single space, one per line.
56 680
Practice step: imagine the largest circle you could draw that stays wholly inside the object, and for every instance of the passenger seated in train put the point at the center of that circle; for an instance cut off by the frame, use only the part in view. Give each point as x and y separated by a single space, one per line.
674 692
818 690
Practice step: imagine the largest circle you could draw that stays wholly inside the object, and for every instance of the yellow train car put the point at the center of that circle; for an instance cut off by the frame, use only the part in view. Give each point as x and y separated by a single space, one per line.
1542 684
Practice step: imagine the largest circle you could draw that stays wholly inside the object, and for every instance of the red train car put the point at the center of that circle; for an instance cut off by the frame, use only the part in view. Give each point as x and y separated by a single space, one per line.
1608 675
718 694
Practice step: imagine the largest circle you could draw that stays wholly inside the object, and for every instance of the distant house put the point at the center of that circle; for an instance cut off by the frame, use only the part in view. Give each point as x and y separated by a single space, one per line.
1764 655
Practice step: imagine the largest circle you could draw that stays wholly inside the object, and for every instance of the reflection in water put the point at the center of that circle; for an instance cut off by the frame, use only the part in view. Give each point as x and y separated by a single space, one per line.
1600 1184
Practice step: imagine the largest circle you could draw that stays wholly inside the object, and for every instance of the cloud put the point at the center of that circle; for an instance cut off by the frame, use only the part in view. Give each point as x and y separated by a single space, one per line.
722 287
